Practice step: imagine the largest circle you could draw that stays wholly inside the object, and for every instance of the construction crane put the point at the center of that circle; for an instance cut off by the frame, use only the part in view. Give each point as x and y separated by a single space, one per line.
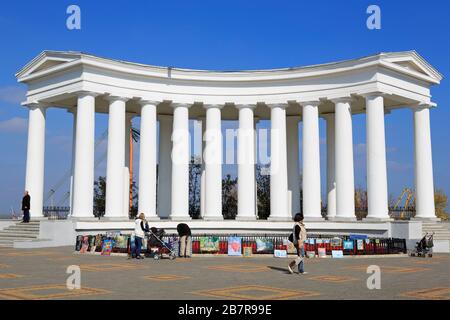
409 200
68 173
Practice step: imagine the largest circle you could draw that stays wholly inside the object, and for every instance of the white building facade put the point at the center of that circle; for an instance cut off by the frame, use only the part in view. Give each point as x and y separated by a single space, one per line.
375 85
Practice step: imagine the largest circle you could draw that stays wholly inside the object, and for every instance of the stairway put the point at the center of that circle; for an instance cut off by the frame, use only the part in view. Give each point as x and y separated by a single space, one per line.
19 231
441 235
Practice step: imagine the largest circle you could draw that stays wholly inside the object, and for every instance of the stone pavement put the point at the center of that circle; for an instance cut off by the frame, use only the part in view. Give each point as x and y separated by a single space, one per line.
41 274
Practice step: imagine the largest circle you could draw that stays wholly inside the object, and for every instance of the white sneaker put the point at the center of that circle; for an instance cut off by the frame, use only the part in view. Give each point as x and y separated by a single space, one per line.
304 272
290 269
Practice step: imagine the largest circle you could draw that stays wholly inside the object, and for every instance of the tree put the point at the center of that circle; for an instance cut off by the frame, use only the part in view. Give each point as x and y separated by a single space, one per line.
263 192
229 197
440 203
195 173
99 197
360 203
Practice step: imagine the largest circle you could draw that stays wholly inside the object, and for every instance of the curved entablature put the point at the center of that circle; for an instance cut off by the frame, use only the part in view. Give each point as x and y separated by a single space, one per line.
54 78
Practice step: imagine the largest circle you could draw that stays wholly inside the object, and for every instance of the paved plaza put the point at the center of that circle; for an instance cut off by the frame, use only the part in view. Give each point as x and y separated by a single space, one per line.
41 274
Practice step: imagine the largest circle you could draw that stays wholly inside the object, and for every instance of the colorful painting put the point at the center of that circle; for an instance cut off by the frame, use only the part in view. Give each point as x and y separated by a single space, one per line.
121 242
107 247
209 244
322 252
337 254
264 245
348 245
280 253
360 244
335 242
85 244
248 251
234 246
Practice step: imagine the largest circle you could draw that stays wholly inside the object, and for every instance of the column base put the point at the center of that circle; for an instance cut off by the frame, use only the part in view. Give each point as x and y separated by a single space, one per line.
113 219
153 218
245 218
342 219
180 218
426 219
213 218
377 219
89 219
313 219
282 219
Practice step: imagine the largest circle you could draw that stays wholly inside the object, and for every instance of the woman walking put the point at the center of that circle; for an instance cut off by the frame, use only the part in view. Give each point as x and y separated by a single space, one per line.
299 237
140 227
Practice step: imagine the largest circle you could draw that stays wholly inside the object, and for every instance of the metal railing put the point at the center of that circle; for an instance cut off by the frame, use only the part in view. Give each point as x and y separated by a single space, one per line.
56 212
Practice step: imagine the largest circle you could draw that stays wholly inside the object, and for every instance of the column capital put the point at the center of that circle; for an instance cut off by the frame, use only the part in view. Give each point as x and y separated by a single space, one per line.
423 105
181 104
212 106
245 105
112 98
373 94
277 105
84 93
35 105
143 101
344 99
310 102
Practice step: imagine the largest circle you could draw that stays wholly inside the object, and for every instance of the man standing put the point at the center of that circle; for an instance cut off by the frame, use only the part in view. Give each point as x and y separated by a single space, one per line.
299 237
26 207
184 232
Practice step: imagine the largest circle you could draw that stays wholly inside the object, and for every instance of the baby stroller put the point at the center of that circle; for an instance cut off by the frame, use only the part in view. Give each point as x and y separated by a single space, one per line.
424 247
156 247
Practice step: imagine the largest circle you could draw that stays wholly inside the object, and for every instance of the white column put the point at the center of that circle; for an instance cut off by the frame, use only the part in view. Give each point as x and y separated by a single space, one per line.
83 191
126 169
165 165
203 175
278 164
331 179
213 163
114 207
345 187
180 163
34 177
425 208
255 123
246 163
311 161
72 169
377 190
147 160
293 163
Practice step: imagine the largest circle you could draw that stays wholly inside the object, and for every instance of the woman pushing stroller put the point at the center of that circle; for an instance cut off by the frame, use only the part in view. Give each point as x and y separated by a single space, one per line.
140 227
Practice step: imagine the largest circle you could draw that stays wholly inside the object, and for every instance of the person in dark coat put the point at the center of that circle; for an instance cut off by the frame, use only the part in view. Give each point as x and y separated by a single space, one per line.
26 207
184 232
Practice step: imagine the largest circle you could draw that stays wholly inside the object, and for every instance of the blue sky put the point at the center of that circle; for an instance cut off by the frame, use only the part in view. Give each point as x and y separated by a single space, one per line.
220 35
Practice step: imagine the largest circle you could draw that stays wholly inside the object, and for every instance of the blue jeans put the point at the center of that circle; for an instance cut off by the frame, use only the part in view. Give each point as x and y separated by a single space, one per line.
301 254
137 247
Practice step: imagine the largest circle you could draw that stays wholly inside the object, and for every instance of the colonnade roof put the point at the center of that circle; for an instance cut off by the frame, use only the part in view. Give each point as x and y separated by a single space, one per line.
55 77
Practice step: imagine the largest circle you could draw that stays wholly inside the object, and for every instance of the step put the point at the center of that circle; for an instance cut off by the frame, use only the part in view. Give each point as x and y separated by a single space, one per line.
18 232
23 228
11 236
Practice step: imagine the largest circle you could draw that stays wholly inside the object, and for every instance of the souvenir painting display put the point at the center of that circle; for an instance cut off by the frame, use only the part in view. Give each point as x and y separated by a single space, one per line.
280 253
311 254
264 245
234 246
322 252
337 254
209 244
360 244
348 245
107 247
85 244
248 251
